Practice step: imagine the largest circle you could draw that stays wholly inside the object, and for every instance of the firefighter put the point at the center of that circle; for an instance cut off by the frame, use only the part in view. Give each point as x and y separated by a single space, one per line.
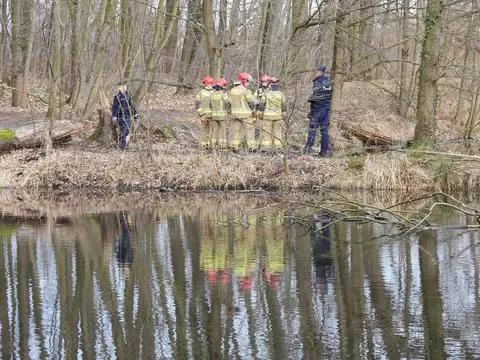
243 112
274 111
264 85
202 105
220 104
123 108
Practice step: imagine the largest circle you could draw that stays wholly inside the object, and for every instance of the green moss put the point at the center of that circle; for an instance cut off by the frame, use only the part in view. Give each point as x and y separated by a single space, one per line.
356 162
7 134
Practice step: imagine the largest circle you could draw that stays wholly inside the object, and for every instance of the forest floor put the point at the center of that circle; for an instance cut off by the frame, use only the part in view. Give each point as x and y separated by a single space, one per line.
169 160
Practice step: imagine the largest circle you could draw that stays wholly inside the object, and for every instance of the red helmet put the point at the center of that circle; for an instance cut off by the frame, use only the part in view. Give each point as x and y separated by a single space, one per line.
208 81
244 77
264 78
222 83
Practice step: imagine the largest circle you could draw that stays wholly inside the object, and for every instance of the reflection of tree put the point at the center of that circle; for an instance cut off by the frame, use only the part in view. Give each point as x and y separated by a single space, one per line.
309 326
432 300
380 296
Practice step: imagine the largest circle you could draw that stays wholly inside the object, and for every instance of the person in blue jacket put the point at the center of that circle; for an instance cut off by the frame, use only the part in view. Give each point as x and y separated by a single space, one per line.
319 112
123 109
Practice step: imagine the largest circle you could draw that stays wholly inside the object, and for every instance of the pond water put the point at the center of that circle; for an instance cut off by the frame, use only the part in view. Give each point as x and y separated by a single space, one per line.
235 278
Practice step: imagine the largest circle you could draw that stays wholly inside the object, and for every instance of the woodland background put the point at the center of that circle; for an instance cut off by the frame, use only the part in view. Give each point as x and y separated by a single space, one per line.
406 48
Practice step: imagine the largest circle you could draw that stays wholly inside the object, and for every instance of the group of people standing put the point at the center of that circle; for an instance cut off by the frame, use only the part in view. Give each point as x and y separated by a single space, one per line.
257 119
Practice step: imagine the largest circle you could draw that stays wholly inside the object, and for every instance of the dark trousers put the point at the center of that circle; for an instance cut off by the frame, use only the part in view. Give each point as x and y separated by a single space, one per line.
124 125
319 118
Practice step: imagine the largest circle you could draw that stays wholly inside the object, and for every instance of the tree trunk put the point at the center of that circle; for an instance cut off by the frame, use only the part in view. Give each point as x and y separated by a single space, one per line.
21 47
54 63
190 43
159 41
338 56
264 42
427 87
354 42
473 116
338 68
405 53
105 18
3 40
172 45
214 52
126 37
74 10
468 59
299 44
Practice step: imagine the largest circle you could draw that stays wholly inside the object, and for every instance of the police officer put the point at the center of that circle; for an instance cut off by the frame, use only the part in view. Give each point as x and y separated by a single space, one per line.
123 108
274 110
319 112
220 104
204 111
243 108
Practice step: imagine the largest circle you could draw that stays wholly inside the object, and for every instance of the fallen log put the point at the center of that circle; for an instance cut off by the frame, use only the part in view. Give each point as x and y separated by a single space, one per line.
367 137
34 135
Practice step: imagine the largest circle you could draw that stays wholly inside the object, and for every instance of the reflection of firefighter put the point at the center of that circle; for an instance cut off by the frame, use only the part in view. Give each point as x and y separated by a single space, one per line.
214 253
321 247
123 241
274 243
244 252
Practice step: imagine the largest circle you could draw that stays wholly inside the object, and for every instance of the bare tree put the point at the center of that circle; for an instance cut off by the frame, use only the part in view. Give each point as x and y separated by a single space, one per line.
171 50
21 46
425 129
214 50
54 63
193 35
466 84
3 40
405 53
158 42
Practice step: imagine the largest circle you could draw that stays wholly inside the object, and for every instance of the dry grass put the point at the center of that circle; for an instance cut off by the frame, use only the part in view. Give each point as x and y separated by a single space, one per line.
159 163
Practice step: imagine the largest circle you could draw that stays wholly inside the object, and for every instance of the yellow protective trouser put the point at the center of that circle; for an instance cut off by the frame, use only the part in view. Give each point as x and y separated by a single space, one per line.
206 131
219 133
272 134
259 129
242 130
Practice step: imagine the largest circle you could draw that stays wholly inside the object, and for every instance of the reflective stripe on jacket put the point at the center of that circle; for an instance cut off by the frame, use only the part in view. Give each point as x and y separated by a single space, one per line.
243 102
220 104
274 105
202 102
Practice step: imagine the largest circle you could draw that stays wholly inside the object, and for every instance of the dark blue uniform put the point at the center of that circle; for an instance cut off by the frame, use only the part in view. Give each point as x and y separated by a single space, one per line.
122 109
321 248
319 113
123 242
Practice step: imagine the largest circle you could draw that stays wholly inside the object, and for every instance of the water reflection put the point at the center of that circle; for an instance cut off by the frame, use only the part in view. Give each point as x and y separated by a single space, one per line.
234 280
123 241
322 249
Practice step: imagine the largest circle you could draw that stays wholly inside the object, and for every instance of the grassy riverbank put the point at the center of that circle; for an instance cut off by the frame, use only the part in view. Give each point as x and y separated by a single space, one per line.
168 169
159 162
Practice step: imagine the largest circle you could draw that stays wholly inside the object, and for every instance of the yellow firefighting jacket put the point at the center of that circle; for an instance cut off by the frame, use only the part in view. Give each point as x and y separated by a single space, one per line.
243 102
220 104
202 102
275 107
